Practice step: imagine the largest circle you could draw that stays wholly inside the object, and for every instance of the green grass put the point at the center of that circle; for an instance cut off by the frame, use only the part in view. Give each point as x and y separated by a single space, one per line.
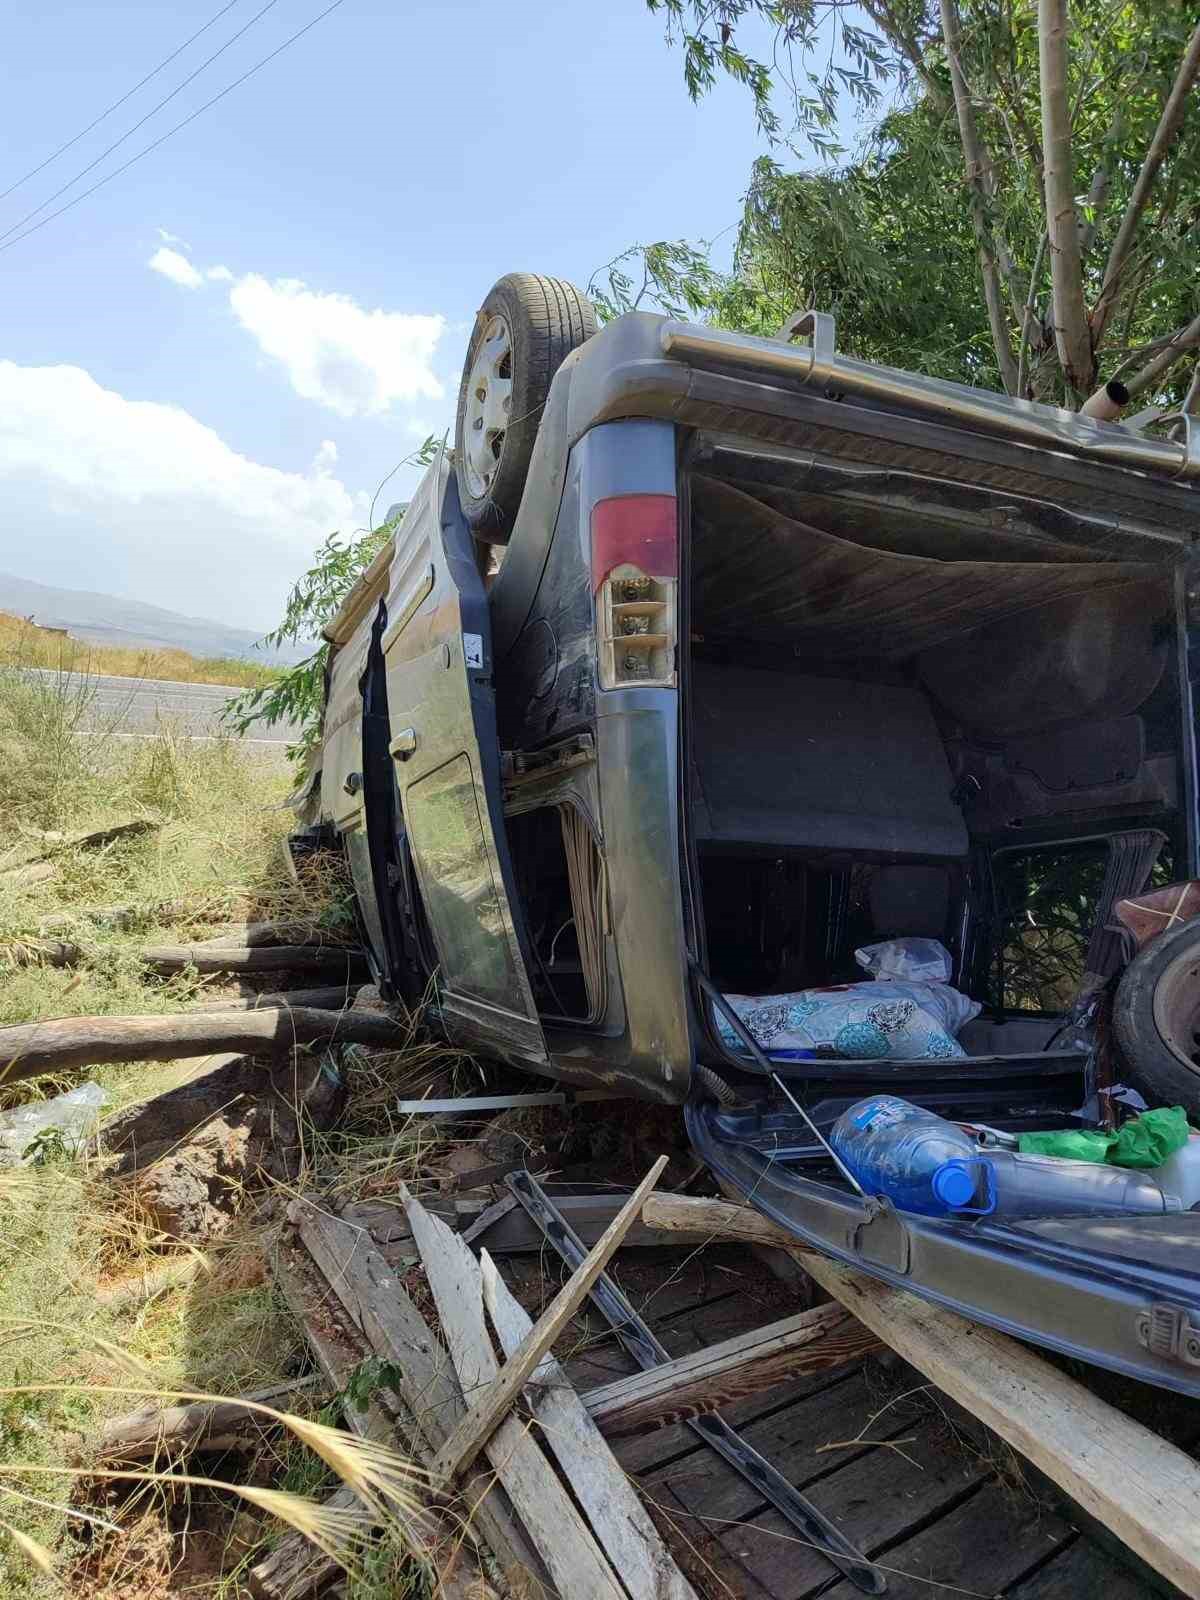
217 847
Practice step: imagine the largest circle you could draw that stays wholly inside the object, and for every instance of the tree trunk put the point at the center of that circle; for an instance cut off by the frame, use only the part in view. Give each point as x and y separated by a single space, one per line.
66 1044
1071 332
337 997
270 958
975 159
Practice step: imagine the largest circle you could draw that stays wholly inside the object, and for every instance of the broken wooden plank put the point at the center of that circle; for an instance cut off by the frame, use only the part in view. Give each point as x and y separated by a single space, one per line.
506 1230
378 1305
1131 1480
568 1548
265 958
199 1425
295 1568
62 1044
468 1438
707 1380
618 1517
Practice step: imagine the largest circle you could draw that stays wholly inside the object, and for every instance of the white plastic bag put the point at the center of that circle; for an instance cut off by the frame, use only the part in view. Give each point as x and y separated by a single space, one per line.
74 1115
925 960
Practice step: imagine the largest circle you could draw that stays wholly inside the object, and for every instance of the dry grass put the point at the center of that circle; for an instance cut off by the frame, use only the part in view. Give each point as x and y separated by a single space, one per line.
215 854
25 644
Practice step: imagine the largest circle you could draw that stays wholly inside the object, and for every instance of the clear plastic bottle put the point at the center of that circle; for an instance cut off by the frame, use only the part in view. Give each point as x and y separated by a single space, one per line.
895 1148
1180 1174
925 1164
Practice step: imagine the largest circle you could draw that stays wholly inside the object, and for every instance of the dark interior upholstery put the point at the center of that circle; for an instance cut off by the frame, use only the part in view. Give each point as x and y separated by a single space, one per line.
909 901
820 764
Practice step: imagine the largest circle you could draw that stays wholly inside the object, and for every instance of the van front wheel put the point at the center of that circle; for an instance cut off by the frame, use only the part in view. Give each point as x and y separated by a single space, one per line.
524 331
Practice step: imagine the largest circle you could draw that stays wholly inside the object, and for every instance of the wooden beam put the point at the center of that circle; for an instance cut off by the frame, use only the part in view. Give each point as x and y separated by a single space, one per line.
618 1517
480 1422
63 1044
706 1380
576 1562
1133 1482
254 958
199 1425
334 997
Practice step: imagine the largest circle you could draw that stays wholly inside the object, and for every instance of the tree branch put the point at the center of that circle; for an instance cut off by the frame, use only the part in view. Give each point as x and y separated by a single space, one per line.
1071 332
1179 343
1192 397
1027 318
1169 124
975 159
884 16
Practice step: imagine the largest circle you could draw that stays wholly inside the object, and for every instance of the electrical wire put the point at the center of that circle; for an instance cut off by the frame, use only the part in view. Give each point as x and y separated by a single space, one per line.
153 111
117 104
162 139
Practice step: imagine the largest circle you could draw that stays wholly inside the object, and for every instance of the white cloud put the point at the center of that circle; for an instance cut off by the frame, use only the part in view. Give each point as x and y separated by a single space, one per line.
351 360
172 238
355 362
176 267
137 497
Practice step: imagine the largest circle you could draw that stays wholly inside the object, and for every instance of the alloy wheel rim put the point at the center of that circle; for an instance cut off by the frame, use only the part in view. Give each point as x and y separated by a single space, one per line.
489 401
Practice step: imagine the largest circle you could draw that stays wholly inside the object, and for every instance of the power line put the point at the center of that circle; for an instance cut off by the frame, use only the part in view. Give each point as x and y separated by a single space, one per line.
116 105
162 139
129 132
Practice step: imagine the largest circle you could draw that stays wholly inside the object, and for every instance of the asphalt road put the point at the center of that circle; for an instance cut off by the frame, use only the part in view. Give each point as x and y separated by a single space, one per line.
133 708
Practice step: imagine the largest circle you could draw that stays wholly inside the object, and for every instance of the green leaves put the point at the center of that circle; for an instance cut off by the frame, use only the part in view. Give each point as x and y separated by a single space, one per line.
298 694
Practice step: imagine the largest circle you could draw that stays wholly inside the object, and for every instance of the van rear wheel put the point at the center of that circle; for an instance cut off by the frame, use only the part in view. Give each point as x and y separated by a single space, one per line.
1156 1018
525 329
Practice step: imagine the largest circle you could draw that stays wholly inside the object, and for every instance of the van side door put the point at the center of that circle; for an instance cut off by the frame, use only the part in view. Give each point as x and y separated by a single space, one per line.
437 649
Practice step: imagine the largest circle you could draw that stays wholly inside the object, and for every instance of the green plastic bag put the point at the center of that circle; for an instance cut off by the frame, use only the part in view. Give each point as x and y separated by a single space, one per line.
1068 1144
1148 1140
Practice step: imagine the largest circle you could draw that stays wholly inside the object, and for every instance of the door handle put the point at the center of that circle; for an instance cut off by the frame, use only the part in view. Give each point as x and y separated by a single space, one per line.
403 745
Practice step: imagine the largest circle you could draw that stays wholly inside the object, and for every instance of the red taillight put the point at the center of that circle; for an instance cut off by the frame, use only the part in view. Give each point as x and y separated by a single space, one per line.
635 560
636 530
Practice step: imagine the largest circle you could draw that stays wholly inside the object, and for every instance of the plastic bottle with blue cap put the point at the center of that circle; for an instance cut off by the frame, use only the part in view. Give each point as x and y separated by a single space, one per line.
923 1163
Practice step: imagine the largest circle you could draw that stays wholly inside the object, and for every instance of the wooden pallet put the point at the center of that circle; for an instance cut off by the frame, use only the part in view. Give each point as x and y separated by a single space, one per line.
913 1480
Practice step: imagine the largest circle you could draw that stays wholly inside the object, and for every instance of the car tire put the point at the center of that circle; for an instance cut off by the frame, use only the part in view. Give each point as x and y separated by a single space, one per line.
525 329
1156 1018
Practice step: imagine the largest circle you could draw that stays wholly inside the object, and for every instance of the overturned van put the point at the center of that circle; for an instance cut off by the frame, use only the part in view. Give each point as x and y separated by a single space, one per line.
705 661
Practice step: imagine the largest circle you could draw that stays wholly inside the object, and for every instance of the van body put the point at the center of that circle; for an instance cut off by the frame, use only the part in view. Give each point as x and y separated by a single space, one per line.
788 654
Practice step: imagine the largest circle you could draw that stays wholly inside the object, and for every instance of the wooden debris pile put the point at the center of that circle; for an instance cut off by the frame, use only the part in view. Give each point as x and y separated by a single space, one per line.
476 1393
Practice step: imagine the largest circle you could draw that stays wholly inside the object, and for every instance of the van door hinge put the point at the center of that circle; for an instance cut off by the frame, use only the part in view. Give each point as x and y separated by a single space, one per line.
1166 1331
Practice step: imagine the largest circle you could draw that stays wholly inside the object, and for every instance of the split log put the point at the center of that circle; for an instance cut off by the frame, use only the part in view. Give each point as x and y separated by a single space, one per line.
335 998
43 953
63 1044
157 1430
253 935
481 1421
707 1380
240 958
122 917
1133 1482
130 1294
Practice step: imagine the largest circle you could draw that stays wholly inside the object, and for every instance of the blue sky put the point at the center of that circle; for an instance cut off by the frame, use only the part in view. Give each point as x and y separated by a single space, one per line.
185 434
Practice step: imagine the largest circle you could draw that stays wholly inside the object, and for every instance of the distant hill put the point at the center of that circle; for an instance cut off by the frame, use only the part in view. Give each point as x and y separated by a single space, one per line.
109 619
